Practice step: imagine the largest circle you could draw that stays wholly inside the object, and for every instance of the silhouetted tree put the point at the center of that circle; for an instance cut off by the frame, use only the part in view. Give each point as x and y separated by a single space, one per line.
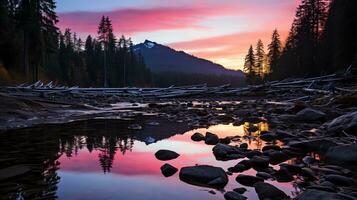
259 59
249 65
274 51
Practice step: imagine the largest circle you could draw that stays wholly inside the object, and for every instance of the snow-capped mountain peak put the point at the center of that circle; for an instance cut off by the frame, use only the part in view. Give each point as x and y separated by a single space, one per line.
148 44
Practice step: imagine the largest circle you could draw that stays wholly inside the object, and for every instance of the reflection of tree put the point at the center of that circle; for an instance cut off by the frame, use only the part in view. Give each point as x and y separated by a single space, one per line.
252 136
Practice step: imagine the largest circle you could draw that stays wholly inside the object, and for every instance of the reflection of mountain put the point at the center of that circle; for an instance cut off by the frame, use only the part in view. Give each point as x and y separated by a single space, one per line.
41 147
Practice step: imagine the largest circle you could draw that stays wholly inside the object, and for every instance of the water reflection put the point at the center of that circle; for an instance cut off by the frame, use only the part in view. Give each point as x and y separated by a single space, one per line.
104 160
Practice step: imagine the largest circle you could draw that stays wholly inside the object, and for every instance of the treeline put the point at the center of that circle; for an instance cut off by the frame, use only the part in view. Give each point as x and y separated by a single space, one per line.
33 48
322 40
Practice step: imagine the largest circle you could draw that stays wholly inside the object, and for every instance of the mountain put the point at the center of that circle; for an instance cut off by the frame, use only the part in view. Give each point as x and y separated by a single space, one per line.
160 58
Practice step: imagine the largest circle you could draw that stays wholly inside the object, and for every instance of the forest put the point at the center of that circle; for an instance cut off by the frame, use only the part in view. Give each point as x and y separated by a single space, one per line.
322 40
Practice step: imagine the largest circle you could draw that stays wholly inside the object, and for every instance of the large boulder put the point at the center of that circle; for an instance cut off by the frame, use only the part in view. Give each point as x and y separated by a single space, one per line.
227 152
312 194
166 155
347 122
211 139
204 175
310 115
248 180
197 137
268 191
345 154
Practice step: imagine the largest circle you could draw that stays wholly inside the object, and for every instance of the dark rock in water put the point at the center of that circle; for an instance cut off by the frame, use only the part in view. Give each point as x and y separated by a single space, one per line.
238 168
204 175
240 190
283 175
13 171
211 139
234 196
265 176
271 147
276 157
166 155
268 137
243 146
345 154
197 137
340 180
168 170
293 169
308 173
268 191
310 115
225 140
248 180
309 160
253 129
313 194
316 145
258 161
323 188
284 134
253 153
347 122
227 152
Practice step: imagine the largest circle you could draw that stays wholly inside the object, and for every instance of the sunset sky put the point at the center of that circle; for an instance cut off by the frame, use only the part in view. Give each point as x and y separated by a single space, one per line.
217 30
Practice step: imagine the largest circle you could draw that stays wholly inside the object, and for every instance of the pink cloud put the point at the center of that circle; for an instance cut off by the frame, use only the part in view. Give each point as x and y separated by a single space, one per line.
129 21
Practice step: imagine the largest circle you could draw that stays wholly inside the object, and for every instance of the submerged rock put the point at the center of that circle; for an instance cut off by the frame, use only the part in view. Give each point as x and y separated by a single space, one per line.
313 194
260 162
168 170
240 190
344 154
232 195
197 137
166 155
204 175
268 191
283 175
248 180
227 152
211 139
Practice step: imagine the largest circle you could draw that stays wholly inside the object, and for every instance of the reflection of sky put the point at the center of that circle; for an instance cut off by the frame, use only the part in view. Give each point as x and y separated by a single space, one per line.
137 175
181 24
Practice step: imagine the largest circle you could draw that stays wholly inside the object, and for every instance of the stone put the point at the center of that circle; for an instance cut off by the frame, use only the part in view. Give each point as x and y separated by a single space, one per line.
271 147
253 153
231 195
347 122
283 175
168 170
308 173
310 115
265 176
197 137
240 190
226 152
248 180
243 146
276 157
238 168
260 162
166 155
268 137
211 139
313 145
344 154
313 194
340 180
204 175
268 191
292 168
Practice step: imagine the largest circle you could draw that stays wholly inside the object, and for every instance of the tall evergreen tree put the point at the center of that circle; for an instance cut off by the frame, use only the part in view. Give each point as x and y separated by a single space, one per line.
274 51
260 59
249 65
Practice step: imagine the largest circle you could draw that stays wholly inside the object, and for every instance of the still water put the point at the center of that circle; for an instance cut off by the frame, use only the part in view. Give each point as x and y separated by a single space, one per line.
102 159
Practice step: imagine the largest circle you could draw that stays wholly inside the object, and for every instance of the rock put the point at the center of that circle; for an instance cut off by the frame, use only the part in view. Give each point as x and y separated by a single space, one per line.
13 171
323 188
316 145
260 162
211 139
225 140
310 115
240 190
238 168
284 134
168 170
253 153
268 191
339 180
231 195
276 157
253 129
283 175
347 122
313 194
308 160
204 175
344 154
265 176
292 168
226 152
271 147
308 173
243 146
248 180
166 155
197 137
268 137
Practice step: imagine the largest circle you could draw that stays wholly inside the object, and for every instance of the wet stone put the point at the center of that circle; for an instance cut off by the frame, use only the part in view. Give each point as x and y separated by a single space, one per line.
313 194
166 155
204 175
283 175
211 139
268 191
227 152
240 190
248 180
340 180
231 195
258 161
168 170
197 137
265 176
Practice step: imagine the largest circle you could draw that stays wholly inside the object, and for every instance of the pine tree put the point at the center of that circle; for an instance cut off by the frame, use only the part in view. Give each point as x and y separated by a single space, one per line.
260 59
249 65
274 51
